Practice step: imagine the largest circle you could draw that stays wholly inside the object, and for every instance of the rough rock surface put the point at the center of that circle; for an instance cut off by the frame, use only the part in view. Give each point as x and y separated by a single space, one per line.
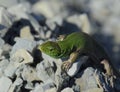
26 23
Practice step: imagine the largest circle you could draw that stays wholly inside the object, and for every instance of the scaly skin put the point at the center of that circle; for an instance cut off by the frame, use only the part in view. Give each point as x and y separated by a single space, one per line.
75 45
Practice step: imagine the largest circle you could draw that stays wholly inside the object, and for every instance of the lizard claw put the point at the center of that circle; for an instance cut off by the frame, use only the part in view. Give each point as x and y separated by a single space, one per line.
66 65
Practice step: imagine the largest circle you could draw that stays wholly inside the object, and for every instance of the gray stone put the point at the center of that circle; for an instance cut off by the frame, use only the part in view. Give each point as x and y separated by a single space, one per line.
34 23
94 90
88 81
81 21
1 51
26 33
76 66
54 63
51 25
43 7
29 86
24 12
1 42
29 74
20 10
15 86
3 64
51 90
3 31
6 19
49 9
67 90
5 84
45 72
44 87
37 89
48 85
19 58
23 44
6 49
48 34
8 3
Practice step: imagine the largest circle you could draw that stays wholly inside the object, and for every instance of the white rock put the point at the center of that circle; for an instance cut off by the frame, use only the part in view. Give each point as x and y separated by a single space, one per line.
5 84
3 64
19 58
51 90
20 10
52 23
6 19
29 86
26 33
29 74
88 81
34 23
23 10
48 9
37 89
8 3
48 34
23 55
1 42
16 83
42 72
81 21
23 44
76 66
94 90
67 90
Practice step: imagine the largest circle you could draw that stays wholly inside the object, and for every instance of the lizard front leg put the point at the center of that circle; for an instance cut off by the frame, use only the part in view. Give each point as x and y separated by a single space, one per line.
67 64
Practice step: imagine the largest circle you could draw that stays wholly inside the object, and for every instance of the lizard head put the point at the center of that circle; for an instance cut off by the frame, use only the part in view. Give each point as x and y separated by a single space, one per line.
50 48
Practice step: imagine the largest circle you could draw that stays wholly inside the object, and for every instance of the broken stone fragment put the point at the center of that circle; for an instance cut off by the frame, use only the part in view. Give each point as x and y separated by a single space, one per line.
7 3
37 89
29 86
76 66
5 84
94 90
17 83
34 23
23 44
67 90
2 42
6 19
88 81
48 34
26 33
48 9
81 21
20 10
19 58
29 74
45 72
3 64
43 87
51 90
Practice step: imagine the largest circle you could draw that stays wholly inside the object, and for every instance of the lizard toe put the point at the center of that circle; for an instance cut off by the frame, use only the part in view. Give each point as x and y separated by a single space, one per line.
66 66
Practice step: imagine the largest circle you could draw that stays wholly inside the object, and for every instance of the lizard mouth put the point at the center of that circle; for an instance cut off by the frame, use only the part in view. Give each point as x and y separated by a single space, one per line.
39 47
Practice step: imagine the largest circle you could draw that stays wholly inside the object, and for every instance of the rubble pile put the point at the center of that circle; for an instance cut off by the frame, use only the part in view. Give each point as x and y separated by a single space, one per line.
24 24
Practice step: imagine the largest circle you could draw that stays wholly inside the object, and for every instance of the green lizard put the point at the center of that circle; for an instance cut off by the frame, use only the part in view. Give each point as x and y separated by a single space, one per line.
75 45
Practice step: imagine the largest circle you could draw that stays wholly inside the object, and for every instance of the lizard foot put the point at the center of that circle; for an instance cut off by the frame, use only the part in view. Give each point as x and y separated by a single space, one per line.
66 65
